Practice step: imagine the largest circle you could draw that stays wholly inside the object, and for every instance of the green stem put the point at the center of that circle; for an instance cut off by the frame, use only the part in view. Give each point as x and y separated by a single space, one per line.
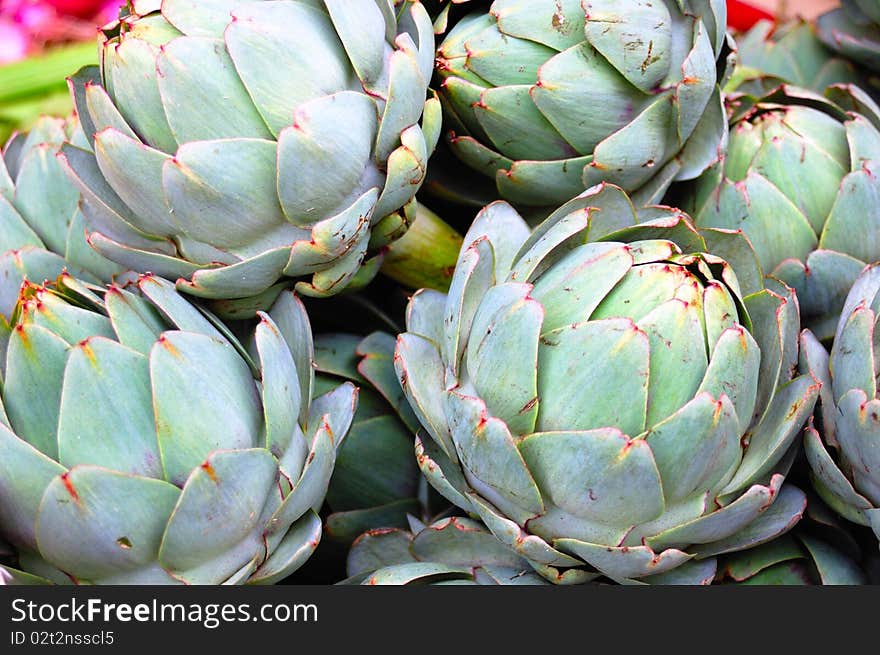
426 255
36 76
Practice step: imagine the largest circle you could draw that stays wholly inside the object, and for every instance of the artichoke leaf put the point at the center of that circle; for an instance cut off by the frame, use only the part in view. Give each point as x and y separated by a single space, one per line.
101 522
191 427
214 528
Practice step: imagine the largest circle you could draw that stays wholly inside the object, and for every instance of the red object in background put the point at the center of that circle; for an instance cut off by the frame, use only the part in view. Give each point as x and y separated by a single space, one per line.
78 8
28 26
741 16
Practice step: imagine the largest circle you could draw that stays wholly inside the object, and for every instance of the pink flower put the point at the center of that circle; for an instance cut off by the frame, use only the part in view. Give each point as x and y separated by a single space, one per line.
13 41
30 25
34 16
79 8
109 11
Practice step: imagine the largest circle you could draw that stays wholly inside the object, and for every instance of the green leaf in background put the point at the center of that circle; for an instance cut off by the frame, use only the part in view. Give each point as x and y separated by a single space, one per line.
35 86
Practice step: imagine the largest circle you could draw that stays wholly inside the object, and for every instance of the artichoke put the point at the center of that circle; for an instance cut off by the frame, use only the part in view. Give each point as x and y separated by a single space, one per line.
853 30
449 551
376 481
844 452
548 98
793 53
241 144
132 422
799 179
605 394
41 225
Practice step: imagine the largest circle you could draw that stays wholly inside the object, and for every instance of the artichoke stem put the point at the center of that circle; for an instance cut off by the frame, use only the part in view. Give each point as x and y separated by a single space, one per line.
425 256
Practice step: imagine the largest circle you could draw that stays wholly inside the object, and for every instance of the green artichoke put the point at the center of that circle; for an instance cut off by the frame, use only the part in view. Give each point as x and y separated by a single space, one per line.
853 30
605 395
799 179
237 144
550 97
449 551
41 226
844 452
376 481
141 444
793 53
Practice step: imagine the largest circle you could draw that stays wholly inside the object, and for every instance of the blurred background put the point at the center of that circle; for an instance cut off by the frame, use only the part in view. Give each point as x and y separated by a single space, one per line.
741 15
27 27
791 8
41 42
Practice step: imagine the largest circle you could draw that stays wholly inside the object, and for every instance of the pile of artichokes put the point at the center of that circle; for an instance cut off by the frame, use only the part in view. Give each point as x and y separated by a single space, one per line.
453 292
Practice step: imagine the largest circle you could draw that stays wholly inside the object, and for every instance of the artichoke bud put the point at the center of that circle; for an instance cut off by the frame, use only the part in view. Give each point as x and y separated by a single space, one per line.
842 448
550 98
852 30
108 434
323 146
798 179
651 400
792 53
